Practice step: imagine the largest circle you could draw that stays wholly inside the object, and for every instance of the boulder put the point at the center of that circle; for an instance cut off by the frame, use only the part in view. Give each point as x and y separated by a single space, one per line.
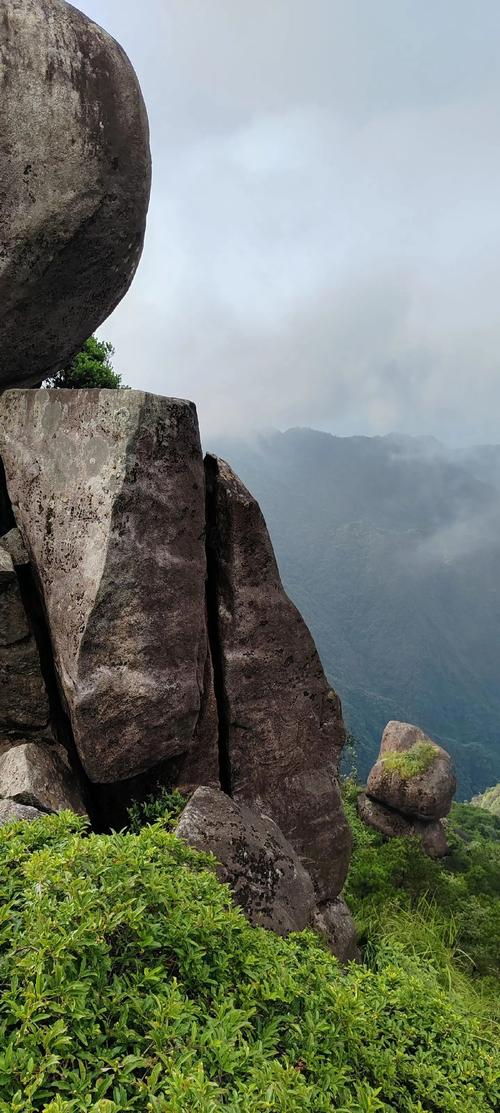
393 825
74 183
10 812
107 488
266 876
412 774
281 730
40 776
23 698
333 921
13 544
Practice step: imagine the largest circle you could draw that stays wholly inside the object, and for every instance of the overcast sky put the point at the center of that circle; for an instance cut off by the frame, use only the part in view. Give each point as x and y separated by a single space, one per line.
323 245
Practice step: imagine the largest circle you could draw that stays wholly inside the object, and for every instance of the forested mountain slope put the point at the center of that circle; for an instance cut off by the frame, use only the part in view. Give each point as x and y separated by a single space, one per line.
390 547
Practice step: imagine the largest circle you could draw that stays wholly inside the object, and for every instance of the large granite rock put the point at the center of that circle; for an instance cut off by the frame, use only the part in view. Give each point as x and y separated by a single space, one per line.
39 776
23 698
281 728
412 774
394 825
266 876
108 490
74 183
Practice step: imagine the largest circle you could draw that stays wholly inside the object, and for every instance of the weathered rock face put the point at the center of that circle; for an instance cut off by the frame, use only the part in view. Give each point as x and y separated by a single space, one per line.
74 183
11 812
266 876
39 776
13 544
424 795
394 825
108 490
280 724
333 921
23 698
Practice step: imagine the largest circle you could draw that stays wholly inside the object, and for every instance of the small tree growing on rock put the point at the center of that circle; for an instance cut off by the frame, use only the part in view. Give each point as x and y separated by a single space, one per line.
91 367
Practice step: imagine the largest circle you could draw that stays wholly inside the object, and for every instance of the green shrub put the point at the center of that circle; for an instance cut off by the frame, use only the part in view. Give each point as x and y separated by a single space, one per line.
130 982
165 804
411 763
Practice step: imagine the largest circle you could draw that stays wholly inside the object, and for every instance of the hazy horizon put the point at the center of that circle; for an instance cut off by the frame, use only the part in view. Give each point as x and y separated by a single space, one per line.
323 246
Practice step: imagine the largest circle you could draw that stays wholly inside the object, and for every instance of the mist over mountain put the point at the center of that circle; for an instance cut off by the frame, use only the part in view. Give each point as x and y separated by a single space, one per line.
390 547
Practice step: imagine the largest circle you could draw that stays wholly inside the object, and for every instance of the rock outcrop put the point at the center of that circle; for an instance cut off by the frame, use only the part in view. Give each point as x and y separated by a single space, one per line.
108 490
39 776
280 724
74 183
266 876
413 774
267 879
410 788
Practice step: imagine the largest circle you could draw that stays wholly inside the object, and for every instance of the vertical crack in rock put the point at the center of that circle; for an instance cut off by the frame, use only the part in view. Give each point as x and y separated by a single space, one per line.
214 634
7 520
35 612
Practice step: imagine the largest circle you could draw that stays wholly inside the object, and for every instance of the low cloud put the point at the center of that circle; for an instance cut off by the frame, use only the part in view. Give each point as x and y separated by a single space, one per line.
324 238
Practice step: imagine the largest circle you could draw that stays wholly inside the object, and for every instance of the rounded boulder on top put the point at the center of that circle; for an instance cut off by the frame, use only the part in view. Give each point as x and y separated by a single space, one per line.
75 178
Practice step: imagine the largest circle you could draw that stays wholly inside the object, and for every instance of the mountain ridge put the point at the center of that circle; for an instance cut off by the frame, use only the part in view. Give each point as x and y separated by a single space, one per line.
390 547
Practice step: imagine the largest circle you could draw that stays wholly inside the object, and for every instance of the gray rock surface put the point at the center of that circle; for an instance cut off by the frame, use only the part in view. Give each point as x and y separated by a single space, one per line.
13 544
393 825
10 812
39 775
107 488
426 795
281 724
333 921
74 183
261 867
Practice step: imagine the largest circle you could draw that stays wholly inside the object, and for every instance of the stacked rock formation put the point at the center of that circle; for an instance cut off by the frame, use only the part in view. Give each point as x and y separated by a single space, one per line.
410 788
177 655
145 636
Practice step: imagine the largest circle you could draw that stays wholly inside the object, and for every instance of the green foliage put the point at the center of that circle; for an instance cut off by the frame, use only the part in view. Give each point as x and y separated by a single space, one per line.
442 915
129 982
91 367
489 800
164 804
410 763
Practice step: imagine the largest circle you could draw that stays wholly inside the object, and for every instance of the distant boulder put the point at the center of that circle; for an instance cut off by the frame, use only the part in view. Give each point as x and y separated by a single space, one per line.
75 178
413 774
393 825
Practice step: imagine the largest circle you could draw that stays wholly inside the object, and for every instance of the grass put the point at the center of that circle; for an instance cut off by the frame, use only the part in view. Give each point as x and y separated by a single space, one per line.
440 917
411 763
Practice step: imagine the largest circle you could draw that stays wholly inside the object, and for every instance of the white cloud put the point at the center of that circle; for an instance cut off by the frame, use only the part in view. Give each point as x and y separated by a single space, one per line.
324 237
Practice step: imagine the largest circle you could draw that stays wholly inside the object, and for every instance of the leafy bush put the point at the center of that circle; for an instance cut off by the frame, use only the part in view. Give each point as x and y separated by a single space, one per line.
165 804
410 763
130 982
